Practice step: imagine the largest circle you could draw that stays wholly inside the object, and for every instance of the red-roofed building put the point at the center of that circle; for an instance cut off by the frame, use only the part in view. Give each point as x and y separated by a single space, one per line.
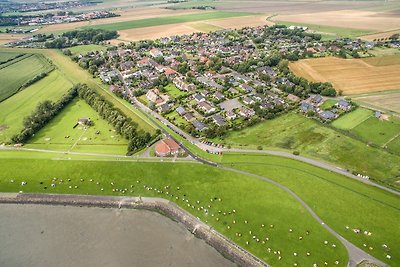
167 147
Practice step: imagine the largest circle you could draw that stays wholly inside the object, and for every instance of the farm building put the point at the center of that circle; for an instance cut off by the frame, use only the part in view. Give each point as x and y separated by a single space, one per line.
83 121
167 147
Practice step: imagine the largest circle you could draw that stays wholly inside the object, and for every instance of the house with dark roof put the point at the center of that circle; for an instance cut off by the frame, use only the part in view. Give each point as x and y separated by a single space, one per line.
344 105
327 115
219 120
199 125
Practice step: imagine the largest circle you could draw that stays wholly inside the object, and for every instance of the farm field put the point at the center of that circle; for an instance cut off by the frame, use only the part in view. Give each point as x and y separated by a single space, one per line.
76 75
7 56
383 60
385 101
59 133
84 49
352 119
14 109
379 132
230 198
294 132
18 72
385 34
358 19
141 23
340 201
351 76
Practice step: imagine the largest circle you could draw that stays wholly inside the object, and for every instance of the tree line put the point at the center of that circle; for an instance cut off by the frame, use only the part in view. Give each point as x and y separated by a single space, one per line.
43 113
123 125
77 37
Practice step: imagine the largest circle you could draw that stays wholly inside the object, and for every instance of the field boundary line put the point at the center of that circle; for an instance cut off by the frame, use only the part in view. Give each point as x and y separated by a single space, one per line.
391 139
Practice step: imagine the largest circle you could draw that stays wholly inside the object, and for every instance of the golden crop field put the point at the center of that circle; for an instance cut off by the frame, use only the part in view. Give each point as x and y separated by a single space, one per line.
388 101
351 76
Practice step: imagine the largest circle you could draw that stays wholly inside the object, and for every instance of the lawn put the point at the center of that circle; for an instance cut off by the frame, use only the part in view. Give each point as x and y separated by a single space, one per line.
15 75
352 119
294 132
84 49
149 22
341 202
15 108
378 131
59 133
173 91
229 198
328 104
394 145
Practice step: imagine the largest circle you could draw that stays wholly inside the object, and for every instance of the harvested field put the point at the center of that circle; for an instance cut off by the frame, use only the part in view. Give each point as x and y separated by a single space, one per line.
7 38
155 32
371 37
368 20
352 76
383 61
389 101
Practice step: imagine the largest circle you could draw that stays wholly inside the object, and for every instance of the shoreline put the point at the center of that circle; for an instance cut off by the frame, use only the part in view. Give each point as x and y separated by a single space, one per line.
220 243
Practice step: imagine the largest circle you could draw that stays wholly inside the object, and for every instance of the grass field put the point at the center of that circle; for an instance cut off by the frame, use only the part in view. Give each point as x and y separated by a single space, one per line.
15 74
6 56
352 119
15 108
84 49
378 131
387 60
294 132
230 198
352 76
173 91
77 75
59 133
329 32
328 104
339 201
141 23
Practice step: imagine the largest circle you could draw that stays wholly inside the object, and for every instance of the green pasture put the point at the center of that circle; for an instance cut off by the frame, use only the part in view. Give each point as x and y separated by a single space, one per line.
14 109
378 131
59 133
6 56
84 49
343 203
294 132
168 20
352 119
15 75
328 104
242 208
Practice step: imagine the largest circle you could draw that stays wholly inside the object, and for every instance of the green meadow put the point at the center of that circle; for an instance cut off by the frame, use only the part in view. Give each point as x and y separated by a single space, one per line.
6 56
256 215
294 132
173 91
60 134
14 109
344 204
352 119
84 49
13 76
168 20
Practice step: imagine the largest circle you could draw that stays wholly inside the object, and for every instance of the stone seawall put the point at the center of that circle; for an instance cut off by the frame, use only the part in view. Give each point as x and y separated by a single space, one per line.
222 244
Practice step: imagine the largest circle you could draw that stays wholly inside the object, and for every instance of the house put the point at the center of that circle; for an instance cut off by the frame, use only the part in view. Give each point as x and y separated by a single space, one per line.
189 116
248 101
152 95
167 147
199 98
247 88
233 91
219 120
84 121
206 107
378 114
293 98
154 52
266 105
219 96
230 115
163 108
114 88
317 99
246 112
181 110
199 125
305 107
327 115
344 105
182 85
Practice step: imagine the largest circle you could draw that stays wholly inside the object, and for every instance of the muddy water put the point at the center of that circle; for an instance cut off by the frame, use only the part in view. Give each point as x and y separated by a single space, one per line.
47 236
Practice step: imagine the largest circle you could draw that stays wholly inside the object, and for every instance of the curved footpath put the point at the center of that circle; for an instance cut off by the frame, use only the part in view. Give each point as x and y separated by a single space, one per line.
222 244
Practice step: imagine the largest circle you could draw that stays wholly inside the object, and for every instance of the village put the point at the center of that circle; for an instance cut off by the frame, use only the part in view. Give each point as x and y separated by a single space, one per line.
207 84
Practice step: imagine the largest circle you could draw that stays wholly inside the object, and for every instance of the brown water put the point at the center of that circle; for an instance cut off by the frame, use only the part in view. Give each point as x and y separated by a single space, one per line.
49 236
